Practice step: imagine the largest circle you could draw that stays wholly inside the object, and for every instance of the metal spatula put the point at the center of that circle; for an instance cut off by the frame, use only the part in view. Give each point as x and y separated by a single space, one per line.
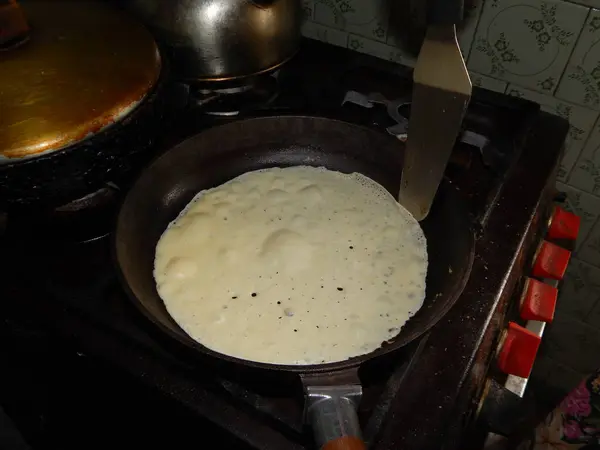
441 93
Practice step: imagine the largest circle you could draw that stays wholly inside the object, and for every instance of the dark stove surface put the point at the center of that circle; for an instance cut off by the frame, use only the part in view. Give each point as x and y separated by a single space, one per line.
418 399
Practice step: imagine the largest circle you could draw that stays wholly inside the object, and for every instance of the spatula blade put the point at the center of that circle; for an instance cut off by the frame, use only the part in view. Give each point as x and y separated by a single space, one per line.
441 93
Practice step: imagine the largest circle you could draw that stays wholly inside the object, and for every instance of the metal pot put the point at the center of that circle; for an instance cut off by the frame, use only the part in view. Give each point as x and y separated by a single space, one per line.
217 40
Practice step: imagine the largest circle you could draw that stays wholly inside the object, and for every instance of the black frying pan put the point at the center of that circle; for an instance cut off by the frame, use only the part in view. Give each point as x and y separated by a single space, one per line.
221 153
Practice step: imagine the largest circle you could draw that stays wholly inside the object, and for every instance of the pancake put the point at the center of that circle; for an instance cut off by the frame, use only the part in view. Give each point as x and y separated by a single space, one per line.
292 266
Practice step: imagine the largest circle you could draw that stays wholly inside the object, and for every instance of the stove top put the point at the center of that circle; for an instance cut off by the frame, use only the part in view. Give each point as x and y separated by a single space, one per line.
504 164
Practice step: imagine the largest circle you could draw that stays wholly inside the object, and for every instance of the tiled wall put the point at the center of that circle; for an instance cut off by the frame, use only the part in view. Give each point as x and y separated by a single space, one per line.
547 51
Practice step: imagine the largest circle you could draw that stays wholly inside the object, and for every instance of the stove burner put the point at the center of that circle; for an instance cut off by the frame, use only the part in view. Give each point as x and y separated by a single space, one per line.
83 220
400 129
232 100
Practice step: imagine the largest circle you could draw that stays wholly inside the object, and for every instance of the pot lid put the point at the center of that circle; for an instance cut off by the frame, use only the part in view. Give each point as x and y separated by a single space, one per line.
84 66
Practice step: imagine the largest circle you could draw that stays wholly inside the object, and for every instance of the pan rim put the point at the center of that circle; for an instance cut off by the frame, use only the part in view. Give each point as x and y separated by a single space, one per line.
185 340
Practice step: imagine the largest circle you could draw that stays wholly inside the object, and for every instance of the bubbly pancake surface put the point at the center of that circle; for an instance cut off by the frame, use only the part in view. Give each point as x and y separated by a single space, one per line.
299 265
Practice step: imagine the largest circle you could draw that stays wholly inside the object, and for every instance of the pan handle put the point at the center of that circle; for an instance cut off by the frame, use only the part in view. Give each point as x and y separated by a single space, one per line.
331 410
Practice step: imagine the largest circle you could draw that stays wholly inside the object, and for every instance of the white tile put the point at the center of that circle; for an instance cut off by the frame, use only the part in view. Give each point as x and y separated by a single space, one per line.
580 291
581 120
325 34
383 51
489 83
589 250
572 343
527 42
585 205
581 81
586 171
368 18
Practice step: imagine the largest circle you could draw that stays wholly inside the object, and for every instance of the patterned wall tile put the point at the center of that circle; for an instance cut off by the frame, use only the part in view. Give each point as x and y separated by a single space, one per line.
325 34
581 81
378 49
527 42
589 250
580 118
580 291
586 171
368 18
572 343
489 83
585 205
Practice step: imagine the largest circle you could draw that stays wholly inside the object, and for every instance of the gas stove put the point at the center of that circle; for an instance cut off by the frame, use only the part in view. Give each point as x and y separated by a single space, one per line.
428 397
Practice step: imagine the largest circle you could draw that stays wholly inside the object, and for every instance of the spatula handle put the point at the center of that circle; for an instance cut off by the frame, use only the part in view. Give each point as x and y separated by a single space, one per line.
444 12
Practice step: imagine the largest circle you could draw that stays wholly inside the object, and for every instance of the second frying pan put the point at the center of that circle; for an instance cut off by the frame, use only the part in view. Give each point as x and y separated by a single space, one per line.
224 152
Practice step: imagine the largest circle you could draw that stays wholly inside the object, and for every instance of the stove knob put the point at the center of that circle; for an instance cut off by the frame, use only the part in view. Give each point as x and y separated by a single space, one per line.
563 225
518 351
538 301
551 261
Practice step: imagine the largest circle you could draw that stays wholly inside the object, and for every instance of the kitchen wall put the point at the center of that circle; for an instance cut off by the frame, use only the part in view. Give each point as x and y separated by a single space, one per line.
547 51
